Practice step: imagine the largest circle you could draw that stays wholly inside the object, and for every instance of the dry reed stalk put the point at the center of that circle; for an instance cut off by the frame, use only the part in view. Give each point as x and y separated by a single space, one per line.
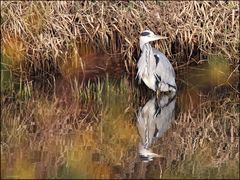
48 28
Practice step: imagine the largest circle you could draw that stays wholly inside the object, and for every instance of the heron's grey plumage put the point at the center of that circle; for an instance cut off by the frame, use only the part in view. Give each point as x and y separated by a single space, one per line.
153 66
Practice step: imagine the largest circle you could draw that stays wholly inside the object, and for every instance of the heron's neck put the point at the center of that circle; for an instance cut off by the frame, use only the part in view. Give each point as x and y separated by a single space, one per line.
144 46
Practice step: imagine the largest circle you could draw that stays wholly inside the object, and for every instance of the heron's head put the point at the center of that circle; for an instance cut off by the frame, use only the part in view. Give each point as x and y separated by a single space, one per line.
148 36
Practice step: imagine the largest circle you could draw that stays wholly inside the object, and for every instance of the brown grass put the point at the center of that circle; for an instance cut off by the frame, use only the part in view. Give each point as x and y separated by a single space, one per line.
47 30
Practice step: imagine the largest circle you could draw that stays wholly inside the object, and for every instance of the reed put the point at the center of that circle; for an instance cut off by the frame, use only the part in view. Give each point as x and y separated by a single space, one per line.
39 35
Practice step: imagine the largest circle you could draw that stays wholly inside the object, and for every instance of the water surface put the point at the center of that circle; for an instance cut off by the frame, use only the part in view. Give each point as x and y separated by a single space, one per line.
114 128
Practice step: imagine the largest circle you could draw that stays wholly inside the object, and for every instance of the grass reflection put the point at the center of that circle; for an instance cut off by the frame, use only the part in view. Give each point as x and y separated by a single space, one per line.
93 133
80 139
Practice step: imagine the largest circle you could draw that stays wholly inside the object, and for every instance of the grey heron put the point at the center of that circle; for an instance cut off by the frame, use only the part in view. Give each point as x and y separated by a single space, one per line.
153 119
153 66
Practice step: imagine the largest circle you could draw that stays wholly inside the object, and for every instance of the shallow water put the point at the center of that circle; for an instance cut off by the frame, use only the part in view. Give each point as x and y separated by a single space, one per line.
117 129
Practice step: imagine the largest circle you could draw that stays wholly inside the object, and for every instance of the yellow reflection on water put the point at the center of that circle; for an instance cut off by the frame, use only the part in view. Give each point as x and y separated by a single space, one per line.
219 70
21 169
215 72
105 145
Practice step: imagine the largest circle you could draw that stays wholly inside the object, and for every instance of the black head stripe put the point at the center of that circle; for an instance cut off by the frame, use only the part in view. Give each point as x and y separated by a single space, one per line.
144 34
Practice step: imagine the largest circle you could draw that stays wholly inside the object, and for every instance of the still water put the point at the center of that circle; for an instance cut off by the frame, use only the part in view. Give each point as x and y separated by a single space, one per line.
117 129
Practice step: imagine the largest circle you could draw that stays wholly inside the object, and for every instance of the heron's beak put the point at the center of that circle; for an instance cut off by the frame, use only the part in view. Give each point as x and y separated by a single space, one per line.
157 37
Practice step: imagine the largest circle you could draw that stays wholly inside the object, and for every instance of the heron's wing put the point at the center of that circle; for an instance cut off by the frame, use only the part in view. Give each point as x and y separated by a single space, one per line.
164 68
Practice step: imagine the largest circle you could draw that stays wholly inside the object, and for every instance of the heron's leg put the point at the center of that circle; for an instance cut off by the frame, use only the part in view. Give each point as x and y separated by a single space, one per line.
158 93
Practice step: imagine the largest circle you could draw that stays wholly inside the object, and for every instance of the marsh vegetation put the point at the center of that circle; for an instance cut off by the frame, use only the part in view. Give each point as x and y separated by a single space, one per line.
70 101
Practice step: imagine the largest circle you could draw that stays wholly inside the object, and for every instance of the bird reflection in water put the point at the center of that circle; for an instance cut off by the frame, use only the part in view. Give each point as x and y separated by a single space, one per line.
152 121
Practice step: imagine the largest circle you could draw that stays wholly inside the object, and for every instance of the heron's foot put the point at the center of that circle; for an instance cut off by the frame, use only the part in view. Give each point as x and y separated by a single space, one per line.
158 93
